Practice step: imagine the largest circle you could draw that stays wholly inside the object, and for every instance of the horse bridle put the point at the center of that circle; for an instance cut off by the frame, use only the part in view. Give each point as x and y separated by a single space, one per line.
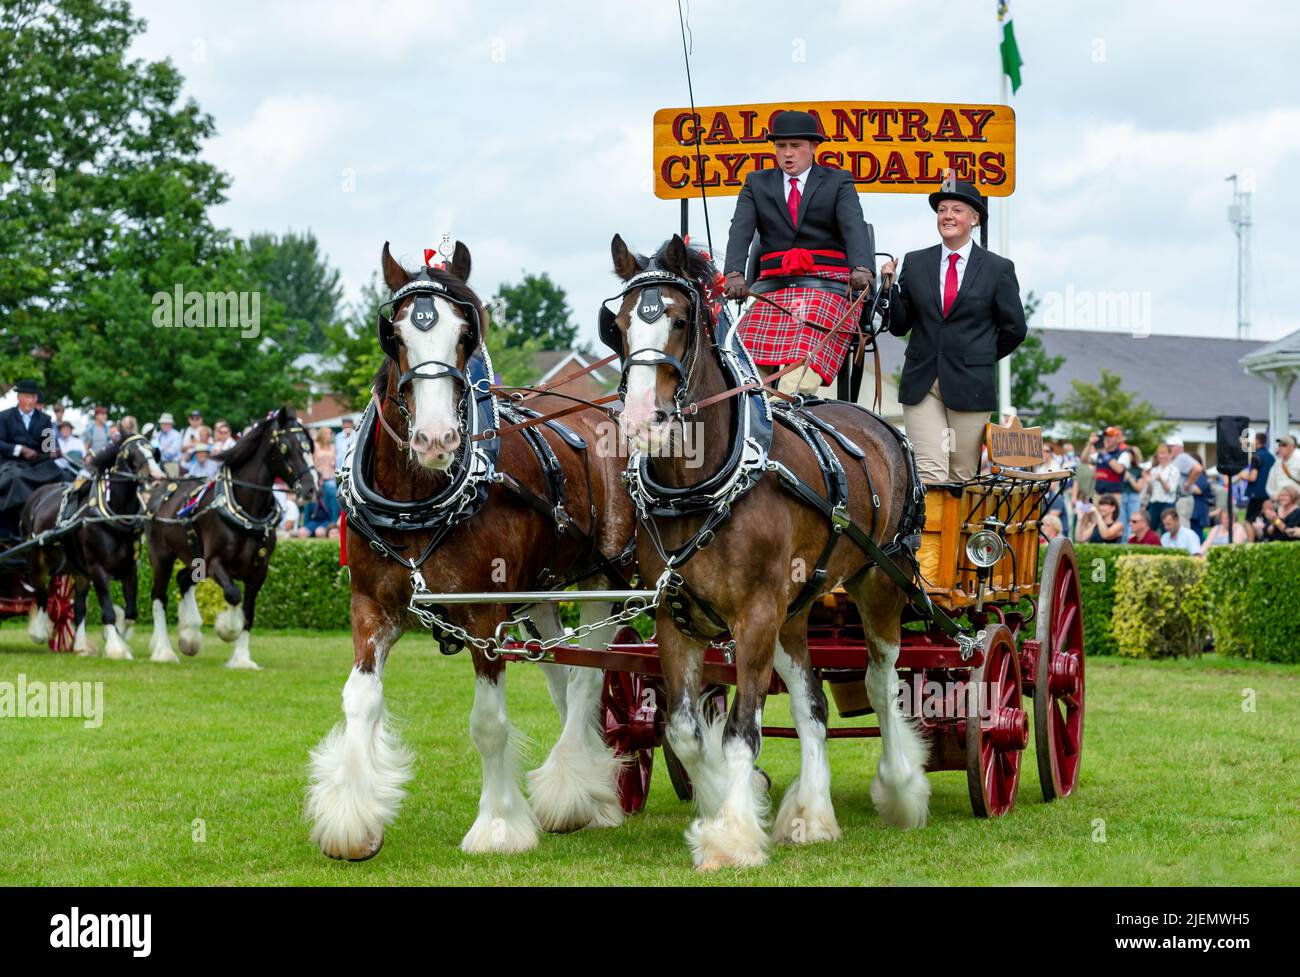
423 289
650 307
279 439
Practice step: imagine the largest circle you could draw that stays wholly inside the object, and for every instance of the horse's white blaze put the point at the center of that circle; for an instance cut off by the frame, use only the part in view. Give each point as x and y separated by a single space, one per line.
239 657
577 787
900 790
505 822
433 402
806 812
114 646
39 626
640 404
160 646
230 622
189 624
358 774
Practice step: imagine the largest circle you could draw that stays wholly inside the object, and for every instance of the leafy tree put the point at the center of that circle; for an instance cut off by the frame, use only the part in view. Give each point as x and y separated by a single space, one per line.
1092 407
296 274
104 204
354 346
535 309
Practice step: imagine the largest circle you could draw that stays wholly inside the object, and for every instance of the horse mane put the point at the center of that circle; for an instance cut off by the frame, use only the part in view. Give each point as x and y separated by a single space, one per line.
246 446
102 461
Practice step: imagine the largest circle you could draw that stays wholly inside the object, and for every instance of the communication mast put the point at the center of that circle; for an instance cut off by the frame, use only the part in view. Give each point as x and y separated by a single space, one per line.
1239 218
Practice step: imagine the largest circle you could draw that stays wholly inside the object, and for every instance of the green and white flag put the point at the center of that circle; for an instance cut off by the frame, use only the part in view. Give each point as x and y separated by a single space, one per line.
1010 52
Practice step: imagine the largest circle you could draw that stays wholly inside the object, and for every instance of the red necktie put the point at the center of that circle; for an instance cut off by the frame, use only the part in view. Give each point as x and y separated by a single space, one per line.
793 201
950 284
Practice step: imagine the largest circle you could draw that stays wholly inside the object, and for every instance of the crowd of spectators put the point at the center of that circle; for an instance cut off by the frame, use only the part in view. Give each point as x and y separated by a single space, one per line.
1171 500
193 453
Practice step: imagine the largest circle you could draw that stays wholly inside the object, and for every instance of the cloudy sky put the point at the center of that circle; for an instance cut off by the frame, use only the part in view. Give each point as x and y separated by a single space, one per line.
524 129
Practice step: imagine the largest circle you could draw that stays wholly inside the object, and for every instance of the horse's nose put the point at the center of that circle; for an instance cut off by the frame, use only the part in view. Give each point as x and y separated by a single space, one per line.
436 447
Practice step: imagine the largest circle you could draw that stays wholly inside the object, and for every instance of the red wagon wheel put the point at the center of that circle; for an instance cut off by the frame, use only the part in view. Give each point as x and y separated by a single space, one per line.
631 709
60 609
1058 680
997 735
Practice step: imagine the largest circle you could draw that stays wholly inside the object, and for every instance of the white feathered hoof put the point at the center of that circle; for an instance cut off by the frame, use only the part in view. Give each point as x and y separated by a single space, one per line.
162 652
363 852
81 643
575 789
114 646
505 836
230 622
903 801
799 825
191 641
39 627
245 663
726 842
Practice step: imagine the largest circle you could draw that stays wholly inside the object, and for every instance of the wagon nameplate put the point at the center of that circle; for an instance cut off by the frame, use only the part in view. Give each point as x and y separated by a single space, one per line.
1014 446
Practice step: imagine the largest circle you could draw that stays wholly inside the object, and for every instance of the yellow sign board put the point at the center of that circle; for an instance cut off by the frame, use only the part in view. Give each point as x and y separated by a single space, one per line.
889 147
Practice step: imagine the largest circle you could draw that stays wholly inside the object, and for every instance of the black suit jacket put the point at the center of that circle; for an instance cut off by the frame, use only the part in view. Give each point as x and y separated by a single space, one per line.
830 217
986 323
35 437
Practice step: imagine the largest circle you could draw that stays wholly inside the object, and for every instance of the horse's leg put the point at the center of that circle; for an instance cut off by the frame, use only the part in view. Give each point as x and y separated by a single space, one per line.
81 643
130 597
576 787
806 813
734 834
505 822
239 655
189 622
160 646
900 791
229 624
39 625
360 769
114 646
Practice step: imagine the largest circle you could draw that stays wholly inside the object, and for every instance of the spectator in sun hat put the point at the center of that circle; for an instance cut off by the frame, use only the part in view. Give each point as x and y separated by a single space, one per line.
1286 467
194 433
72 450
1188 468
168 442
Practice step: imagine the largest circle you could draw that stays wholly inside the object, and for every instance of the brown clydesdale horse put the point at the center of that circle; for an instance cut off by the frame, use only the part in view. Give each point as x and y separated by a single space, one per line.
228 535
359 770
100 550
751 571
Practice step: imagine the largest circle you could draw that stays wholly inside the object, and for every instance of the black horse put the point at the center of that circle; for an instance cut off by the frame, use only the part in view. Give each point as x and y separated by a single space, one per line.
105 508
225 529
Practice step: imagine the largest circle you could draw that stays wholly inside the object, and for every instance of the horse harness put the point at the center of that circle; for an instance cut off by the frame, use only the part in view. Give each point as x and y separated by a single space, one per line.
474 470
748 461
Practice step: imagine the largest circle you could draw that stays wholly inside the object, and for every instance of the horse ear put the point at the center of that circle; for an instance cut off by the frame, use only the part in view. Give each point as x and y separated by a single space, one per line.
625 263
460 262
394 274
675 256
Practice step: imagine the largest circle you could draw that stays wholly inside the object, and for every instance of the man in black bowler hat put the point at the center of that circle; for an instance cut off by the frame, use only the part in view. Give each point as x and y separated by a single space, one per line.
810 227
28 447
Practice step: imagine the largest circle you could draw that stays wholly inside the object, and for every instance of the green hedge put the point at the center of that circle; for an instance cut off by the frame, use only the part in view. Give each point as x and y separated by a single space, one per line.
1254 598
1097 574
305 588
1160 608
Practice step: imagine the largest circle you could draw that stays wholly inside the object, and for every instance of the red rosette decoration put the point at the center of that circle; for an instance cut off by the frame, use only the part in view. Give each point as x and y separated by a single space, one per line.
797 261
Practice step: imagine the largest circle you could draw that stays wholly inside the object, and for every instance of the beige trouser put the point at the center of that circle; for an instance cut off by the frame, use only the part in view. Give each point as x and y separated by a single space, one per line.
796 382
947 442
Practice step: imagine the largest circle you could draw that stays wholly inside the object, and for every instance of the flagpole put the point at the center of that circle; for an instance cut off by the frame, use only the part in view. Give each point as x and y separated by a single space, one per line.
1004 249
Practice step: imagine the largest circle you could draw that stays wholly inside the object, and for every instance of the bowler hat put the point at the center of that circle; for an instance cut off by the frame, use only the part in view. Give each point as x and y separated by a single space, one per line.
966 193
27 387
794 125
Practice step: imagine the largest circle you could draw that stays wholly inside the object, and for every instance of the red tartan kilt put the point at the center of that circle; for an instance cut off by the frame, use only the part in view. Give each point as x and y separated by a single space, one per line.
774 339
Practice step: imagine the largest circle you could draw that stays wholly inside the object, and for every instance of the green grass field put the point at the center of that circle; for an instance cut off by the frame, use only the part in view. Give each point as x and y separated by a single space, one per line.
1180 786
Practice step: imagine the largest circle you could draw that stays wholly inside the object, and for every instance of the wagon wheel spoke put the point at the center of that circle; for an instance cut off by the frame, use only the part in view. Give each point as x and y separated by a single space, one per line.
1067 623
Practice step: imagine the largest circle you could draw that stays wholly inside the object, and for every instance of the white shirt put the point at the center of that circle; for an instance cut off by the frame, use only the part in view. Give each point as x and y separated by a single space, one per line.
800 178
1185 540
27 426
963 256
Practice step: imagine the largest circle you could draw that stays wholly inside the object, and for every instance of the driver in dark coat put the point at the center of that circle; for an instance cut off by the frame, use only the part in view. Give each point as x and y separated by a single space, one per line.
28 447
